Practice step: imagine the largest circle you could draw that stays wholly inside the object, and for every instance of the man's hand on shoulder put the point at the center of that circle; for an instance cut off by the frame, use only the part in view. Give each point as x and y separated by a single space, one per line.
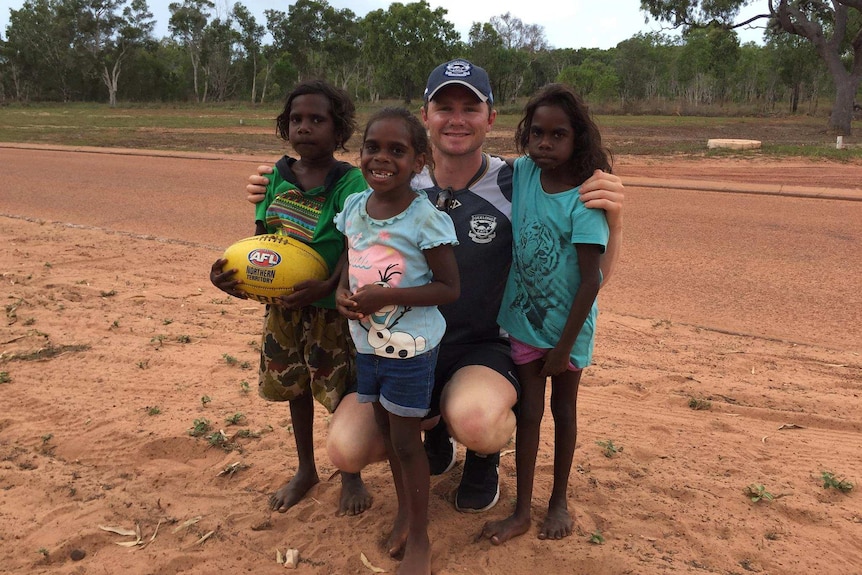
256 187
604 191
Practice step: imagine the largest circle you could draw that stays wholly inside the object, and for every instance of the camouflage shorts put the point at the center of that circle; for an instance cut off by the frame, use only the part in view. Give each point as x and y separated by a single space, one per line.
310 347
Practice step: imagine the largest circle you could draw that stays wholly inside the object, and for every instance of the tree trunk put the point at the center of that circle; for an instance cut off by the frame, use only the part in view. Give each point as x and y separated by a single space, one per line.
794 98
254 80
112 80
841 119
265 86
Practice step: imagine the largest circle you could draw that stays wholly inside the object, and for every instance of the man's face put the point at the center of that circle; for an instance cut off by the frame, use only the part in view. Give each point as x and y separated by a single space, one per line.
457 121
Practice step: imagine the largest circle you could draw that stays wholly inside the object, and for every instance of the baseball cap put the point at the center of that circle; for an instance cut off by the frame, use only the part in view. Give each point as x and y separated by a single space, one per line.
463 73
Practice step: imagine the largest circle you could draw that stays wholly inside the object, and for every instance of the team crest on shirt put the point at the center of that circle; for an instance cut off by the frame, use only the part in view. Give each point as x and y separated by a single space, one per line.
483 228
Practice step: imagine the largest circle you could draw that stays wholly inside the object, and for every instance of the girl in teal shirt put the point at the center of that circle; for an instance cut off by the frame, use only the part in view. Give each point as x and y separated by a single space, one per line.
549 305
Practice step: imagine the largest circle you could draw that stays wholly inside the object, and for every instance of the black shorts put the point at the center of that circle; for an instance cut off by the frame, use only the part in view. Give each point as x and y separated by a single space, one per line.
495 354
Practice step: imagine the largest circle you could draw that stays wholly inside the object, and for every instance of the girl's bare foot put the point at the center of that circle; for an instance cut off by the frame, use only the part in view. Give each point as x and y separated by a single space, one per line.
558 523
417 557
501 531
355 498
293 491
398 537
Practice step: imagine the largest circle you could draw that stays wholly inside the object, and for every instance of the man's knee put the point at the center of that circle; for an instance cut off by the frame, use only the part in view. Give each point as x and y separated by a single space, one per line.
477 407
479 428
353 453
343 457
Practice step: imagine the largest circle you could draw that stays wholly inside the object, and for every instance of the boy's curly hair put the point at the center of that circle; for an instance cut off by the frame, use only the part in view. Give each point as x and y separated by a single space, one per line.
341 106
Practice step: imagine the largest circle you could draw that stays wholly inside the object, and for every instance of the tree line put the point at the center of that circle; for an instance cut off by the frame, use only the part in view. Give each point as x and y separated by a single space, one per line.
105 50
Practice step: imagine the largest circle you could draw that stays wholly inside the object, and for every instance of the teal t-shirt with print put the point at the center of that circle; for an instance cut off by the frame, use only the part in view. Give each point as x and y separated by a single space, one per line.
544 276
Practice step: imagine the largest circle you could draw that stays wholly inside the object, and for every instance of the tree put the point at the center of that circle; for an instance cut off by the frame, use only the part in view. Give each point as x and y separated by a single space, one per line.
321 40
187 24
217 59
486 49
507 48
516 35
40 50
707 59
110 36
405 42
834 29
643 64
250 37
797 66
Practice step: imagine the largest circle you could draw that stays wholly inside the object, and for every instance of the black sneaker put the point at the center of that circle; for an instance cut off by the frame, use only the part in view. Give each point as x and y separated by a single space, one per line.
440 449
480 484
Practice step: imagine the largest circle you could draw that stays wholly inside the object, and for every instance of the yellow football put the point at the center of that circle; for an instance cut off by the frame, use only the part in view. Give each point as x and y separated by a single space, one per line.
270 265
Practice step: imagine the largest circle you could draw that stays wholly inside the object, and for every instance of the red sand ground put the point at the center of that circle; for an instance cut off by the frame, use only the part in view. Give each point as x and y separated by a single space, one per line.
113 335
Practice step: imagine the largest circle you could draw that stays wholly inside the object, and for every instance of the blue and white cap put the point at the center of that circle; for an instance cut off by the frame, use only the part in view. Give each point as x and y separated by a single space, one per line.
463 73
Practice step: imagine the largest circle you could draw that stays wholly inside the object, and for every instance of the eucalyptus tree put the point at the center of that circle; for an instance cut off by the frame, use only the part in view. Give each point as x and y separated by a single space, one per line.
754 81
797 66
644 66
218 58
404 43
833 28
320 40
509 50
40 49
706 61
517 35
486 48
595 78
187 24
110 32
279 68
250 38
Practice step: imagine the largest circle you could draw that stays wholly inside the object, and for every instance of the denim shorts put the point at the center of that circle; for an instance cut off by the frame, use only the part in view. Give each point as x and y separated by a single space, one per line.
402 386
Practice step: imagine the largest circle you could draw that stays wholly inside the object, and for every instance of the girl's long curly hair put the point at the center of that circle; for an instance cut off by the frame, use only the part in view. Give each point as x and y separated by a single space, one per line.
588 154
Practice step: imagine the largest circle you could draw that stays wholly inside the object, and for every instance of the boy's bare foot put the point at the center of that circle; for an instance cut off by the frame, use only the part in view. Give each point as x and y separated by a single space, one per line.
355 498
293 491
417 557
558 523
501 531
398 536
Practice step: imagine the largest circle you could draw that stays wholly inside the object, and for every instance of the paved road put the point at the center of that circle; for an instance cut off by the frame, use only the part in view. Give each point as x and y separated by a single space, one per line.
781 267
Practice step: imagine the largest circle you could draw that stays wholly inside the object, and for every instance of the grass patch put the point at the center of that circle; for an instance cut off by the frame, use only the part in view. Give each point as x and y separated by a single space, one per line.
200 427
831 481
757 493
698 404
244 129
608 448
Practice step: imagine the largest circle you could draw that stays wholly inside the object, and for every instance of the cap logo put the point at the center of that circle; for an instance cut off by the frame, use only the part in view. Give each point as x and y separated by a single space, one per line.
458 69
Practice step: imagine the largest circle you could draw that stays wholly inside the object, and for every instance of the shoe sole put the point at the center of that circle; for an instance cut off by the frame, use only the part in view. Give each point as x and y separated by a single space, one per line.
486 508
451 461
454 457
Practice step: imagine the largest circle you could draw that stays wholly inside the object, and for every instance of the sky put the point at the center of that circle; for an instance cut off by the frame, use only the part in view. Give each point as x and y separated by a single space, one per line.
567 23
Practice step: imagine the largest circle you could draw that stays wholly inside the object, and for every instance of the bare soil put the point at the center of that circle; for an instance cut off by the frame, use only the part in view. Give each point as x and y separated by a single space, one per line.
727 365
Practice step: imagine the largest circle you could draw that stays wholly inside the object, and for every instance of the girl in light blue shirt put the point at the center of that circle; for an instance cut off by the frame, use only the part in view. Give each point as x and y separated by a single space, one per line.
400 267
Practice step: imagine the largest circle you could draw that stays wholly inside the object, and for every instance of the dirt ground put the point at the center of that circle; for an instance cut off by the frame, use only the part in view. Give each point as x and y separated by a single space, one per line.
727 369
